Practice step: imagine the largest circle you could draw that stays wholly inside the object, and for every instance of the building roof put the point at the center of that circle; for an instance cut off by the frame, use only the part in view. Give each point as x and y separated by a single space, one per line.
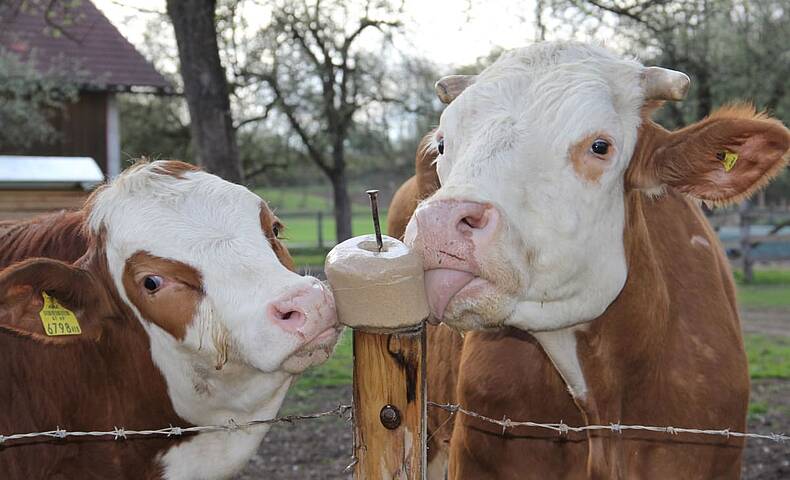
99 57
17 171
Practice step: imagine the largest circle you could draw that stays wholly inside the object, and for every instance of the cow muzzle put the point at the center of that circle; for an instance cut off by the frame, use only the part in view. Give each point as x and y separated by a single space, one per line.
308 313
452 236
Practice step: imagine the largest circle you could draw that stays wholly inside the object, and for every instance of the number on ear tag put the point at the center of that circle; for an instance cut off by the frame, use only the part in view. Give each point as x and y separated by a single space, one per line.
57 319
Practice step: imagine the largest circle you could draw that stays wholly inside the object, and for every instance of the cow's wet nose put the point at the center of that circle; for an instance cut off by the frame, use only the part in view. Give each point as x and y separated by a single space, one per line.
473 219
304 310
453 226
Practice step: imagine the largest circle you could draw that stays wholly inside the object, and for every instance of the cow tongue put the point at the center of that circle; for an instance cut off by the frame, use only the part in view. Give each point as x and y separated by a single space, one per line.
441 285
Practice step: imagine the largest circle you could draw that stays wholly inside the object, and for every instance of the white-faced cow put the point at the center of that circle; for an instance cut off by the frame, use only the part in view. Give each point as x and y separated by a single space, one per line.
565 219
188 313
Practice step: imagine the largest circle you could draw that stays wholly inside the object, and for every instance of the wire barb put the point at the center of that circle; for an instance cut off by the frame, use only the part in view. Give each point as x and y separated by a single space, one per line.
120 433
563 429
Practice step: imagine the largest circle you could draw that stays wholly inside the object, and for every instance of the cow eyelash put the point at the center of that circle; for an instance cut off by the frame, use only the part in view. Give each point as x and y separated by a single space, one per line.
277 229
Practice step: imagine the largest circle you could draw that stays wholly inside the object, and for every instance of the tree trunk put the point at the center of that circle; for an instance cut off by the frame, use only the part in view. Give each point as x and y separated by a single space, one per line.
205 87
342 205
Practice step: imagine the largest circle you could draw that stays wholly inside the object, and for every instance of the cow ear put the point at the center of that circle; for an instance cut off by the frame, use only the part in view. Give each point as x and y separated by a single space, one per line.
725 157
51 301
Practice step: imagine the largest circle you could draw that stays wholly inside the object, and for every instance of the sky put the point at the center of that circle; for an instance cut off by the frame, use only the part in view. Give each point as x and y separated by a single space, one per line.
448 32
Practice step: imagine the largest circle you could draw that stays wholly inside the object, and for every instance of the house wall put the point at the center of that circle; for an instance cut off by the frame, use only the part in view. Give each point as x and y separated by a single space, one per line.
83 131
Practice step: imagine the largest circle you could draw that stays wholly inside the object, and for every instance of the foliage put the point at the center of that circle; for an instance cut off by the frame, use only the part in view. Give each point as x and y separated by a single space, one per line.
153 127
30 101
313 69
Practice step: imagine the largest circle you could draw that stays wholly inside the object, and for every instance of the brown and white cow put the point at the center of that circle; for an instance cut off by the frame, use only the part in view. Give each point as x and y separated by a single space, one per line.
564 215
190 314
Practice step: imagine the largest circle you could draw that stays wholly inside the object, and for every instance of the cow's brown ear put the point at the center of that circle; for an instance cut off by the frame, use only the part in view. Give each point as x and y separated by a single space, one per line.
51 301
725 157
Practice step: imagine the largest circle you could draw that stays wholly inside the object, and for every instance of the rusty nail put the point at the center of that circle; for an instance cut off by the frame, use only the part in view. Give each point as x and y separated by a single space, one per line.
374 207
390 417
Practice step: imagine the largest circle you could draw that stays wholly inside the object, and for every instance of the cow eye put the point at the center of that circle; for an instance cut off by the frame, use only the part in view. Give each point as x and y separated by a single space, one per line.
600 147
276 229
152 283
440 146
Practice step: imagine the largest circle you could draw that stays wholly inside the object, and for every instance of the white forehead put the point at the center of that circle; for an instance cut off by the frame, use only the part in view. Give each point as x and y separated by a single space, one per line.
567 88
193 217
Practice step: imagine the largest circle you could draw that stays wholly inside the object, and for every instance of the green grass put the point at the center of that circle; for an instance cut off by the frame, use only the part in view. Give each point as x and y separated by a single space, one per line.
335 372
301 231
758 408
769 357
301 199
766 277
770 289
751 296
309 257
296 199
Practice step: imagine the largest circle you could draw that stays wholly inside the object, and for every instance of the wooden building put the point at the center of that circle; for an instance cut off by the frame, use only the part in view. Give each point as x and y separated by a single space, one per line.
92 54
30 185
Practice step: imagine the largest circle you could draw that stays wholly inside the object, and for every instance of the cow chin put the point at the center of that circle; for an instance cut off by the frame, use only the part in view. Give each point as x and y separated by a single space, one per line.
480 306
314 352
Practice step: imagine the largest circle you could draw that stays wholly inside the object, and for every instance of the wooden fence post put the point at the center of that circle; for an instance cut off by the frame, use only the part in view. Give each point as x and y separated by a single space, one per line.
746 242
389 405
320 216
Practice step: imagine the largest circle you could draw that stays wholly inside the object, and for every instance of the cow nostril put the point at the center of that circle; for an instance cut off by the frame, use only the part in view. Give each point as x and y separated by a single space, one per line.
473 222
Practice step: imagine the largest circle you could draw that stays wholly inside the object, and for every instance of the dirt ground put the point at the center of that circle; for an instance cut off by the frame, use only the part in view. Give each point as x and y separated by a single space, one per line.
321 449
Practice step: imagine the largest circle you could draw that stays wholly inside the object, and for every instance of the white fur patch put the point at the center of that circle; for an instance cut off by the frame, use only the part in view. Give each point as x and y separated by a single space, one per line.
506 143
560 346
700 241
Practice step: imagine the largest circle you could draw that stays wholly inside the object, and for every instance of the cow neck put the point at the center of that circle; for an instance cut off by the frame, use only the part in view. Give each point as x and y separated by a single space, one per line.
617 355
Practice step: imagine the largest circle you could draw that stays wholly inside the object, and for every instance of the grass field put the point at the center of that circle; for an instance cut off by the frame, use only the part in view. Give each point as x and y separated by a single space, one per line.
301 232
771 289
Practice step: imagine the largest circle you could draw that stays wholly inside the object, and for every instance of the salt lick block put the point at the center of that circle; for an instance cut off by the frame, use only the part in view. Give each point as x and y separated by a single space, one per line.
377 291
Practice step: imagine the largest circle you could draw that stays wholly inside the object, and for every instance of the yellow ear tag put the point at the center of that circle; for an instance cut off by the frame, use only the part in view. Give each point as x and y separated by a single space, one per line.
57 319
727 159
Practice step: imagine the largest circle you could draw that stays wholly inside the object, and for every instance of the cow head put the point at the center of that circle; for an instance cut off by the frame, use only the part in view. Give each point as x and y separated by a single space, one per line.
197 261
535 156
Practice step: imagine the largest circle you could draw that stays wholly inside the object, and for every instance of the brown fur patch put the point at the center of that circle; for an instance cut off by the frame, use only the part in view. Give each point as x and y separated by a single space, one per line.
268 223
687 159
175 168
586 164
55 235
82 384
173 307
416 189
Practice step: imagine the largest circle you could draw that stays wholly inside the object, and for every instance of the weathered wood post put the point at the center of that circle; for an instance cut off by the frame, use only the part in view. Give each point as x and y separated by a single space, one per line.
746 242
379 291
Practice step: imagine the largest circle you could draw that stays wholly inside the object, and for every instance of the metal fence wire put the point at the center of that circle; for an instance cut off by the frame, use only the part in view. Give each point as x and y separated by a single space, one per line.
344 411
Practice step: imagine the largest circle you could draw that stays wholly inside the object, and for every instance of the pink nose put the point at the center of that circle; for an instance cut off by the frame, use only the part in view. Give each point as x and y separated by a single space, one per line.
455 228
306 311
451 235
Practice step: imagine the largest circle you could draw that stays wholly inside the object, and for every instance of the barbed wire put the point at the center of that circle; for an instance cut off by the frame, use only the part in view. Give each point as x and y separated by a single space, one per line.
563 429
344 411
120 433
